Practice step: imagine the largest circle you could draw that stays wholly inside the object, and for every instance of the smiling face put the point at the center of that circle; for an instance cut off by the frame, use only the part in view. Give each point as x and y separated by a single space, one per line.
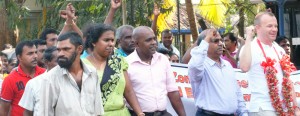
105 44
267 28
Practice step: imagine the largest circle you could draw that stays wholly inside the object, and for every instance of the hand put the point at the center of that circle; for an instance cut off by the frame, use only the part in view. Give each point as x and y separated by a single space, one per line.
69 13
211 33
156 10
250 32
115 4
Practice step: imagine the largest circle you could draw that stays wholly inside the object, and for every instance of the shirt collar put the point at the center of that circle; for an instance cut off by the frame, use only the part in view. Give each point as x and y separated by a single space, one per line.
85 69
212 63
38 70
135 57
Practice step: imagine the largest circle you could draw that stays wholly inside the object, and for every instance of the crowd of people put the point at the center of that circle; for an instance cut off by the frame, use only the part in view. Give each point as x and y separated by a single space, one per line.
127 72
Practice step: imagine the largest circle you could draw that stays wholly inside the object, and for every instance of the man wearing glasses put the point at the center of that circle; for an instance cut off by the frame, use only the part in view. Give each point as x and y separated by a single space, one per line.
215 88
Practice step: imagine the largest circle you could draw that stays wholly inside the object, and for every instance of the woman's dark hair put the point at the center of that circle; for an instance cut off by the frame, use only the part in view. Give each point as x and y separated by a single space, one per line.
93 32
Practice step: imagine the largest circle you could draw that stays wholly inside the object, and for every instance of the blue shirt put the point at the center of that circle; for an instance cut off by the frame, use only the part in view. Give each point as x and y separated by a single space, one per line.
214 85
120 52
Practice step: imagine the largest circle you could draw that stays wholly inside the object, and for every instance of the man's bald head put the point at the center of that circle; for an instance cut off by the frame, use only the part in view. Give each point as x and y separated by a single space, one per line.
138 32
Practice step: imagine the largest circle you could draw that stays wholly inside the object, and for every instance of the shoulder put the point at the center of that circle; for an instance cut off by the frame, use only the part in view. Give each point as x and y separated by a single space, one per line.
11 77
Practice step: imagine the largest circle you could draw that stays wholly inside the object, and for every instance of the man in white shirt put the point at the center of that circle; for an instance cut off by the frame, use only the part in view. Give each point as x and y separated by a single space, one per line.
252 55
72 88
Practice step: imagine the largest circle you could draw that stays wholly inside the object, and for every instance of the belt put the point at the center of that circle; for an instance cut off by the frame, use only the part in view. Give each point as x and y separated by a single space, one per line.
156 113
210 113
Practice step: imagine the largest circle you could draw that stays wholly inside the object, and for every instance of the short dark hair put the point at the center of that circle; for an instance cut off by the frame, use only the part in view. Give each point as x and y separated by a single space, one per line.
48 55
166 31
280 38
20 46
93 32
3 54
163 51
74 37
38 42
231 37
47 31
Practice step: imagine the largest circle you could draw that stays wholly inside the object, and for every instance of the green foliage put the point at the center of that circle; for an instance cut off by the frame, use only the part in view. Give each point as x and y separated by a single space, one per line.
92 11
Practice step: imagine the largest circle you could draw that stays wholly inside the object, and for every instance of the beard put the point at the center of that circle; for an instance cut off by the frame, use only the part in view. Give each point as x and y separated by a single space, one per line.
65 62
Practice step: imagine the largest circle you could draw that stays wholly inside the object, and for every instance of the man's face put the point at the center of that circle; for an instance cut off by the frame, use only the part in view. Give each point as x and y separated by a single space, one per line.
126 41
66 53
147 43
28 58
228 43
51 39
216 45
267 27
40 52
285 44
53 62
12 65
167 39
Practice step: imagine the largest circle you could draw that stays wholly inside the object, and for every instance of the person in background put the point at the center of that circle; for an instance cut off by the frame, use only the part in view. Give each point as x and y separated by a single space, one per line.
167 39
50 36
14 84
230 49
187 55
174 58
164 52
151 76
213 81
284 43
41 47
124 40
12 63
50 57
4 60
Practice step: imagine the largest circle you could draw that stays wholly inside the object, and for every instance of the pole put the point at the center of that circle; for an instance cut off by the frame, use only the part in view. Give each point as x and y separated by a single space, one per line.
281 16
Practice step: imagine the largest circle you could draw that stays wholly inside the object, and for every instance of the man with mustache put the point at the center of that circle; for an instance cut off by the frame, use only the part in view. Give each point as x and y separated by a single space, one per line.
14 84
124 40
167 39
151 76
72 88
31 97
215 88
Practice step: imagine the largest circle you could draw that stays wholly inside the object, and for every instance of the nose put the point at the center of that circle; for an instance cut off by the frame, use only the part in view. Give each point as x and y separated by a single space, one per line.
111 43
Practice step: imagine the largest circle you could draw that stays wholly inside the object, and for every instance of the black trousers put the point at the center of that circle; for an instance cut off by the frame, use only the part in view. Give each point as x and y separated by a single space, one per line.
201 112
156 113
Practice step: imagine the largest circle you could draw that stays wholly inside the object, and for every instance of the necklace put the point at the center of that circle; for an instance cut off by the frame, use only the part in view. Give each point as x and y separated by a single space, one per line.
272 82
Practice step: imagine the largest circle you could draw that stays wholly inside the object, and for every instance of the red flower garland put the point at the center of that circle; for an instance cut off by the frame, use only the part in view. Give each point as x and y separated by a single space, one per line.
270 71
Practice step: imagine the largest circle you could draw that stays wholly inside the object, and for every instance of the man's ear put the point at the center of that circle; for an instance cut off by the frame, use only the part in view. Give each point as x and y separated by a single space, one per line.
79 49
19 58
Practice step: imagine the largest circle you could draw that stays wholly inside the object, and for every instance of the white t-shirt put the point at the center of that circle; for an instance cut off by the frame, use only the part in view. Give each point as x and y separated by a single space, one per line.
260 97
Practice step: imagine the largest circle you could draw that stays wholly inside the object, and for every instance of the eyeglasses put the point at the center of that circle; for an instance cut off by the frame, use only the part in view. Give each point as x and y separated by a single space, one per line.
216 40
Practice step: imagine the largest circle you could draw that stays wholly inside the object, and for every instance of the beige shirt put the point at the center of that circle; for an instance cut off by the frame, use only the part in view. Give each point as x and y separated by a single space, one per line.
61 95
